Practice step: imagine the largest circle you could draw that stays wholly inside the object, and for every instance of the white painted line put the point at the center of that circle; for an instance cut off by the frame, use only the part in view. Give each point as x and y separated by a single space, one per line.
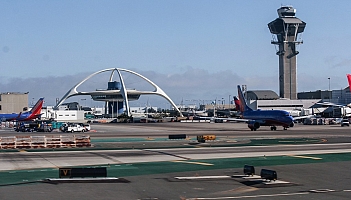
195 163
201 177
322 190
253 196
252 177
80 179
313 158
275 182
257 178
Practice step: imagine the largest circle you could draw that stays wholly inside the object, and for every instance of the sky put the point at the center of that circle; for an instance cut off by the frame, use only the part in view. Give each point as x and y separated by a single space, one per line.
195 50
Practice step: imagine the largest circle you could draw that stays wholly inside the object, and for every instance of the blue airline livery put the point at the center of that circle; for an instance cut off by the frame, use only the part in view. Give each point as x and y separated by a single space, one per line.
34 113
257 118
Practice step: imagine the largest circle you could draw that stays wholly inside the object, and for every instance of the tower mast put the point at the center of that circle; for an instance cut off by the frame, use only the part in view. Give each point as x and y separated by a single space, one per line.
285 30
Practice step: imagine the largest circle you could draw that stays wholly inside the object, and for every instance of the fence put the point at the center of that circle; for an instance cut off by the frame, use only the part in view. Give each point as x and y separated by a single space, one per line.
51 141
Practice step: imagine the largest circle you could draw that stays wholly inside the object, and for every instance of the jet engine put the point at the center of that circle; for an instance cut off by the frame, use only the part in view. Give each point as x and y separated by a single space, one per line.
253 125
292 124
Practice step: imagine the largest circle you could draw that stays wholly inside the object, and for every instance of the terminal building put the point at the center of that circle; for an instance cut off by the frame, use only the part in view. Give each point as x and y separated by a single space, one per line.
13 102
342 96
269 100
325 103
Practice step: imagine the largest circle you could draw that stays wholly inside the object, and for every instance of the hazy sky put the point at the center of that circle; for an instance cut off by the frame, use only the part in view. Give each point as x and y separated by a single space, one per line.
192 49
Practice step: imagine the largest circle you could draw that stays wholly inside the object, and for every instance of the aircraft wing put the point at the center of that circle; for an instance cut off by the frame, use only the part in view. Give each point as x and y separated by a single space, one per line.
331 104
19 116
260 121
227 119
303 117
236 119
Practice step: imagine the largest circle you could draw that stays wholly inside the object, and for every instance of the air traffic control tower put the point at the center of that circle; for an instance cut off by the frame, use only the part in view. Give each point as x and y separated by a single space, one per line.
286 32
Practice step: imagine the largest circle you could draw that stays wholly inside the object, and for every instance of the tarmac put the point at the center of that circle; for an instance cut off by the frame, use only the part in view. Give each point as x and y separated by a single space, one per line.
312 162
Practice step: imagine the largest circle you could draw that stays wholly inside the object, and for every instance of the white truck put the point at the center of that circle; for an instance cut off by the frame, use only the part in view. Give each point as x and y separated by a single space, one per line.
74 128
345 122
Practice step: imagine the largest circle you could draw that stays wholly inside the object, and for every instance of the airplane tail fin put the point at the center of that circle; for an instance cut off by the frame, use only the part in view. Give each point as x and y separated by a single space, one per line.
349 79
243 105
237 103
35 111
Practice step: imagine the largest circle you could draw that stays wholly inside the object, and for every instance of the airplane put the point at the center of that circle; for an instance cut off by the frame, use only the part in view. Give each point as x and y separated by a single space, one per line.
34 113
349 79
237 103
334 104
258 118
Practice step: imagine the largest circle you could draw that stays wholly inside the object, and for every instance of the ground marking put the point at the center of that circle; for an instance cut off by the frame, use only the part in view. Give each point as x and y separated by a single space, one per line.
195 163
201 177
253 196
308 157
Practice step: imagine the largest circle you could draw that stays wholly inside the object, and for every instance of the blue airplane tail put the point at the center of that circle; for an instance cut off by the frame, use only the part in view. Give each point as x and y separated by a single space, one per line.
243 105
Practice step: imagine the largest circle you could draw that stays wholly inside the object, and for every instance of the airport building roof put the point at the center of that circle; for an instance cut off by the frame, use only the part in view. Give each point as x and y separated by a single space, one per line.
13 93
262 95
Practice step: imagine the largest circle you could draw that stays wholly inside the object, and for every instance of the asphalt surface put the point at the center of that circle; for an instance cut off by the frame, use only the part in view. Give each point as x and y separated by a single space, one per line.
312 162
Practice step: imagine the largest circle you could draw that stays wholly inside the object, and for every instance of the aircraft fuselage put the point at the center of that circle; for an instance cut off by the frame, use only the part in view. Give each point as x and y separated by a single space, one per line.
269 117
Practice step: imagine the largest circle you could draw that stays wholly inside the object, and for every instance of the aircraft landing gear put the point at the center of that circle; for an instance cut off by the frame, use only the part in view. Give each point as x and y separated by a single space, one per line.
273 128
253 129
285 128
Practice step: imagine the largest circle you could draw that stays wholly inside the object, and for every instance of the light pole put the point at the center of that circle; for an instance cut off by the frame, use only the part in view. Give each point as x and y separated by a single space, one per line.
82 101
229 101
214 108
329 89
244 89
329 83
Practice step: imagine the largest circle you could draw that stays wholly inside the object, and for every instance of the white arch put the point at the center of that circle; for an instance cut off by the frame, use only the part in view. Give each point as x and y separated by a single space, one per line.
157 90
123 91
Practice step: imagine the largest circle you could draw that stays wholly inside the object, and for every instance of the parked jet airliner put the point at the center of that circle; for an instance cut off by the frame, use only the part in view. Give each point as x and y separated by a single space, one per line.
34 113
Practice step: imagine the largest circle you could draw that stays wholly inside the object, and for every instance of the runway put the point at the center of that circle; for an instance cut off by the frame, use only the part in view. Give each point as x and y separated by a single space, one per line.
48 159
308 157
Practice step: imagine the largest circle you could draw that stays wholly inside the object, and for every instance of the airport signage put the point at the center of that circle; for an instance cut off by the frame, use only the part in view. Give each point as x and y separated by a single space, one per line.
82 172
177 136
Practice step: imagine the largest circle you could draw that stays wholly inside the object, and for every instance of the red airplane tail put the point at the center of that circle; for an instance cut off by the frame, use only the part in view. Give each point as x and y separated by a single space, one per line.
36 110
349 79
237 103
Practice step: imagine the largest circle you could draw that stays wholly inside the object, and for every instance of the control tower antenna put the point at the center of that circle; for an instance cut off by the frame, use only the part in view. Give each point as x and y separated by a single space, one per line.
286 28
